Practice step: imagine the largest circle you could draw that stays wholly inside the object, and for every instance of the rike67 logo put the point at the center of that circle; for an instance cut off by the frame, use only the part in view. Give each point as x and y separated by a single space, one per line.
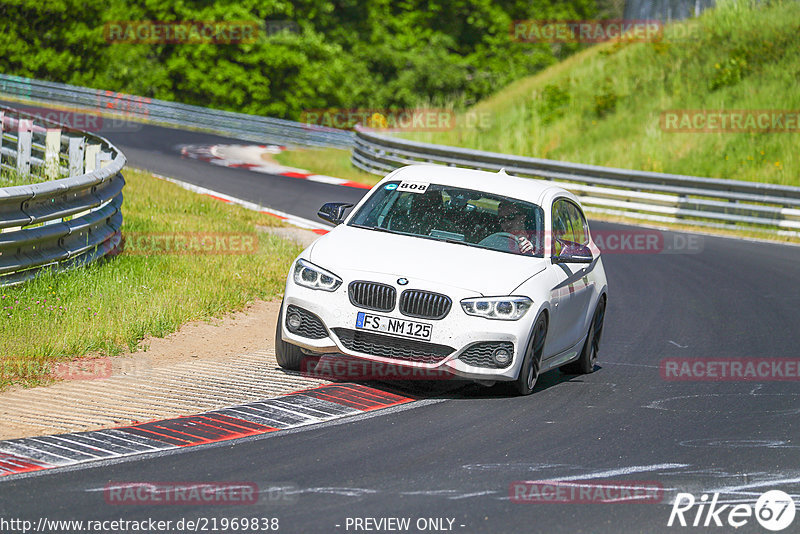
774 510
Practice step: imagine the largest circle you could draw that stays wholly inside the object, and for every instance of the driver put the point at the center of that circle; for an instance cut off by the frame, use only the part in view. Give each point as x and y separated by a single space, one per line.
512 220
426 213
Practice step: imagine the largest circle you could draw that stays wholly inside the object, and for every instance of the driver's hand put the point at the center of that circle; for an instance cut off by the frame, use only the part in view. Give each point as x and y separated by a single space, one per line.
525 246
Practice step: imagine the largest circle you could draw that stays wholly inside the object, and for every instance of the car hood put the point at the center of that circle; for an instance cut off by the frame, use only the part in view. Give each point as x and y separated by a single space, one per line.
483 271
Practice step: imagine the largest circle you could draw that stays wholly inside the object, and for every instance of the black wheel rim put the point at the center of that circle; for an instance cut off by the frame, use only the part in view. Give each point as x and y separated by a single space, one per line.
536 352
598 327
593 356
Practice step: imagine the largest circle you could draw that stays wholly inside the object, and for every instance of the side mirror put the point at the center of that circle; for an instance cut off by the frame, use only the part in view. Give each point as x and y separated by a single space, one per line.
573 253
333 212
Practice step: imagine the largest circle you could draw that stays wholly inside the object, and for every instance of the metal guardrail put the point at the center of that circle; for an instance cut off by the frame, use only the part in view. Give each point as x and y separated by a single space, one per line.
236 125
73 218
690 200
659 197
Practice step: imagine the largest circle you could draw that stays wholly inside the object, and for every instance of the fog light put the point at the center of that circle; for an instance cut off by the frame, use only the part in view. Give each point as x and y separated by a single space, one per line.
501 357
293 321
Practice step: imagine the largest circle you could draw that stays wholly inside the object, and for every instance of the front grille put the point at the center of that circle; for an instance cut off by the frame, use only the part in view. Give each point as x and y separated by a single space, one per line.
392 347
480 354
424 304
310 325
372 296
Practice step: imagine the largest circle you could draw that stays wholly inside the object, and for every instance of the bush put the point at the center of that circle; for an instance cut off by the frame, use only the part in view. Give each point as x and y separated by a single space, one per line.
553 103
605 103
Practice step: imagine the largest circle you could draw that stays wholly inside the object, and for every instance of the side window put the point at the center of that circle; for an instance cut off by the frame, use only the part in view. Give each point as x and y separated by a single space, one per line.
562 228
580 230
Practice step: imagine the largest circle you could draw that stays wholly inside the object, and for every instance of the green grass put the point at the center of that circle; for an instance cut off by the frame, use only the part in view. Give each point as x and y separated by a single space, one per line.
11 178
603 105
109 307
327 161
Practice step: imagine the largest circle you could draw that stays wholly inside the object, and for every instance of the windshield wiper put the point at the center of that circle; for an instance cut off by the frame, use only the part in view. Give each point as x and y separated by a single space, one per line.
376 228
450 240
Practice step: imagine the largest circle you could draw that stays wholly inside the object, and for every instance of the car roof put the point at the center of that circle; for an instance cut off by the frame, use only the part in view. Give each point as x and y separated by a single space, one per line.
500 183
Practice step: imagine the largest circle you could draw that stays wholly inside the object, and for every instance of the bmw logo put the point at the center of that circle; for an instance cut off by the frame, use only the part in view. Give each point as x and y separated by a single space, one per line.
402 281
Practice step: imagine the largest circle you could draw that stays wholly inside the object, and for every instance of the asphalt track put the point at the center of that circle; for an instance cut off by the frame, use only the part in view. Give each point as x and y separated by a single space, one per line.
454 455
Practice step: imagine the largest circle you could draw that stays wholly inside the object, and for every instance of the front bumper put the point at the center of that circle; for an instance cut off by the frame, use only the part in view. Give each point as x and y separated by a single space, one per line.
454 335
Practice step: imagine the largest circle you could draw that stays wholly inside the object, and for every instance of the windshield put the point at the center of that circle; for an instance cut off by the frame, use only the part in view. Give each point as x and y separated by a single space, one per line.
456 215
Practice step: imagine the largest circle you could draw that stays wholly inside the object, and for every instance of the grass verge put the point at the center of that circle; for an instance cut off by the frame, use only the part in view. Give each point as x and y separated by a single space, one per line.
11 178
217 263
327 161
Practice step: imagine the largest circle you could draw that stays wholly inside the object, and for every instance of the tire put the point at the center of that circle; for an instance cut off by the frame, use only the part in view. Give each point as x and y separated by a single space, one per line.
585 364
289 356
529 371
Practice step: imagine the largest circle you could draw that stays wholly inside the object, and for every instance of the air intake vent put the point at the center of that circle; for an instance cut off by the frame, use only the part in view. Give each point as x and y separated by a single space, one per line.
372 296
424 304
392 347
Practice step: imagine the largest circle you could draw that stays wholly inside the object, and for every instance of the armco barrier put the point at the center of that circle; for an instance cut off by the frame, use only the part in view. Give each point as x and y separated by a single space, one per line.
237 125
70 219
690 200
659 197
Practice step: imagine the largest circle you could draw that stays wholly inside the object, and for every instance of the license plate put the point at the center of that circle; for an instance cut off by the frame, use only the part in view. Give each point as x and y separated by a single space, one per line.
392 326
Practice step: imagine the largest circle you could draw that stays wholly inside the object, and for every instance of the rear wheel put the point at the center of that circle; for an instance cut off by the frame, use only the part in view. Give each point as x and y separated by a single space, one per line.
289 356
529 371
585 364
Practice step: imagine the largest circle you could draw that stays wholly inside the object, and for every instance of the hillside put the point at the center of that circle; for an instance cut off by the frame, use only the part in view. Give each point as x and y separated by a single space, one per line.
604 105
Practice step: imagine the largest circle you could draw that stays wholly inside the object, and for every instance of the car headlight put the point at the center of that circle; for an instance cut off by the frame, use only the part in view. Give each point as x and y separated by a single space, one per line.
504 308
309 275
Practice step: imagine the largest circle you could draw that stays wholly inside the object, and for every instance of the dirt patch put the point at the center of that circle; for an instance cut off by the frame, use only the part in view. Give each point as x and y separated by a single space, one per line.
171 376
246 331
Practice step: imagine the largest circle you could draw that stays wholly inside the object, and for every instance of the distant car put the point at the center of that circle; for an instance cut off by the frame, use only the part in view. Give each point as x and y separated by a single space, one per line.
487 276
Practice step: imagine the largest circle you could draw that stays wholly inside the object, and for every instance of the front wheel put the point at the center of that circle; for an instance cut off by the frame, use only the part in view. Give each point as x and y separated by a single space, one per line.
585 364
289 356
529 371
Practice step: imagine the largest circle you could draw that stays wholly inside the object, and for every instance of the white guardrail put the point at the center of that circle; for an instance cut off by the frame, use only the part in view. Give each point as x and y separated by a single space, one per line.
140 108
70 219
658 197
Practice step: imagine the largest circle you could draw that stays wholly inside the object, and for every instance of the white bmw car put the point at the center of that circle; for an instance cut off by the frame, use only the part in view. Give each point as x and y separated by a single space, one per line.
482 275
